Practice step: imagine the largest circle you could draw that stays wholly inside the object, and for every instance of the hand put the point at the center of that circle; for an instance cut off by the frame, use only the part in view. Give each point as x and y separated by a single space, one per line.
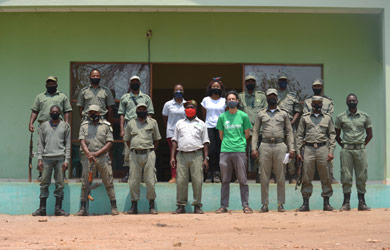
173 162
254 154
300 157
330 157
292 154
122 133
31 128
40 165
205 165
65 166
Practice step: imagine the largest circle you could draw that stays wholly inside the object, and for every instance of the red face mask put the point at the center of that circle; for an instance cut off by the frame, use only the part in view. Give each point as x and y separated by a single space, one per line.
190 112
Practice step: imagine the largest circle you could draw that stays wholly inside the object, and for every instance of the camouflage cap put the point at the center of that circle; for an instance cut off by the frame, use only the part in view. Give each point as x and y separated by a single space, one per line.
271 91
316 98
249 77
141 105
318 82
51 78
94 107
193 102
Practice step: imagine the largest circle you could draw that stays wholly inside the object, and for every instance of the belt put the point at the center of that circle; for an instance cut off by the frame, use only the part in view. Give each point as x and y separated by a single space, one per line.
187 152
272 140
354 146
315 145
142 151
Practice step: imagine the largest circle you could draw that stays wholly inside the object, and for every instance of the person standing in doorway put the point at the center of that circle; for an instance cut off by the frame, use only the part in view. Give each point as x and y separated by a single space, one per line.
213 105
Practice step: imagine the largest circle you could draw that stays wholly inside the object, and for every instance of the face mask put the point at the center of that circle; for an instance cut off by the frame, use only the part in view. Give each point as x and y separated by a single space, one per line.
272 101
55 116
216 91
94 117
250 86
178 94
352 105
317 91
95 81
142 114
51 89
190 112
317 107
283 84
134 86
231 104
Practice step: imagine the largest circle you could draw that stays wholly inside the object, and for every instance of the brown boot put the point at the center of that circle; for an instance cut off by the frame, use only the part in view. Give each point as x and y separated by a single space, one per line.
198 210
180 210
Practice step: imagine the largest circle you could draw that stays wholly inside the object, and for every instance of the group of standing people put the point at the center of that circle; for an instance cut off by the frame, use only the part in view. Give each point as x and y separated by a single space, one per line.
264 128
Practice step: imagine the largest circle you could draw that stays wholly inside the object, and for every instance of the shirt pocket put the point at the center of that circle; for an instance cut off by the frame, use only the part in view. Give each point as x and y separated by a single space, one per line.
323 127
279 121
101 96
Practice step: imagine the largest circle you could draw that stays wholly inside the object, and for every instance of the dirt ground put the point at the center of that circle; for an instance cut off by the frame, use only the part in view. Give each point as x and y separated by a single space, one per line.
235 230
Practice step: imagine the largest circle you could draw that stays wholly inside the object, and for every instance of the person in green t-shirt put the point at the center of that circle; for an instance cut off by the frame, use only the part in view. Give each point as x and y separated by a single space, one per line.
233 126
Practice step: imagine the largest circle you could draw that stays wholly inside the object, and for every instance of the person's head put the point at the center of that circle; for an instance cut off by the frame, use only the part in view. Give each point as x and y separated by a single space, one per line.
352 101
94 76
317 86
141 110
250 82
215 87
316 104
282 82
134 82
55 112
94 113
190 109
178 91
51 84
232 99
272 97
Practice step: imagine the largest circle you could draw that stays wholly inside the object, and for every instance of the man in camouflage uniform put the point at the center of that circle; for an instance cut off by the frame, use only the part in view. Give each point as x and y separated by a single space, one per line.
327 108
355 124
252 101
288 101
96 140
316 134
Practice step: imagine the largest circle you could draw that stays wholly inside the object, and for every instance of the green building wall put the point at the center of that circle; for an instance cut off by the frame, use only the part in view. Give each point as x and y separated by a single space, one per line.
35 45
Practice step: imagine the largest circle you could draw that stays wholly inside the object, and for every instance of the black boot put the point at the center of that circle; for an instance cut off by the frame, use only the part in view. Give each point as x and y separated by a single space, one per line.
180 210
58 208
114 209
362 203
346 206
126 178
327 206
305 206
133 209
152 210
83 209
198 210
41 211
258 179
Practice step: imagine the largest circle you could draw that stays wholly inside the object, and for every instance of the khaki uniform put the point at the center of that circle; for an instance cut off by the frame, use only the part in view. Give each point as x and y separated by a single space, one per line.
127 108
142 157
44 101
100 96
353 155
275 127
96 136
289 102
317 135
251 105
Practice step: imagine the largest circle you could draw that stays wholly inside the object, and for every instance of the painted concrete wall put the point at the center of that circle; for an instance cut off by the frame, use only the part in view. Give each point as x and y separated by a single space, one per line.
35 45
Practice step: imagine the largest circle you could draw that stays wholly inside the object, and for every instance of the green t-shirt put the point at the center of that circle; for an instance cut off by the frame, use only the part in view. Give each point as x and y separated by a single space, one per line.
233 127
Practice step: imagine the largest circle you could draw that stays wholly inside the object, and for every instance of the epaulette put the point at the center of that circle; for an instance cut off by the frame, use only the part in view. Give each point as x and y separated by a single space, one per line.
84 122
106 122
260 92
306 114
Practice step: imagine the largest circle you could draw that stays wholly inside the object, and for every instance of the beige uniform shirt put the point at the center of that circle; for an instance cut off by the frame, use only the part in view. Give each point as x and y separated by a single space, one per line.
314 129
127 106
190 135
327 106
100 96
44 101
353 126
273 125
252 104
142 135
96 136
289 102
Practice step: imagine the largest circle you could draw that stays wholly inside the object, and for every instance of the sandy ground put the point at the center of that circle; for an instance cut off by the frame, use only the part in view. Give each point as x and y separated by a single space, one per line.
235 230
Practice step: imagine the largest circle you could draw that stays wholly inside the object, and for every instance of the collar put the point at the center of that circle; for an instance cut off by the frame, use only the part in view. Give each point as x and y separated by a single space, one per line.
139 93
195 119
349 112
90 86
146 120
56 93
276 109
312 113
175 102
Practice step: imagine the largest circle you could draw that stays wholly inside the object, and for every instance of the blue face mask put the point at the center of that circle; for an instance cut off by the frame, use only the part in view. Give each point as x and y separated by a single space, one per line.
283 84
178 94
231 104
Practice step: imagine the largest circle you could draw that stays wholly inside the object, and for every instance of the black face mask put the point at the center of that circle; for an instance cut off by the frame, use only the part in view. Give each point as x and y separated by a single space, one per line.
216 91
352 105
317 91
51 89
250 86
317 107
55 116
142 114
134 86
272 101
95 81
95 117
